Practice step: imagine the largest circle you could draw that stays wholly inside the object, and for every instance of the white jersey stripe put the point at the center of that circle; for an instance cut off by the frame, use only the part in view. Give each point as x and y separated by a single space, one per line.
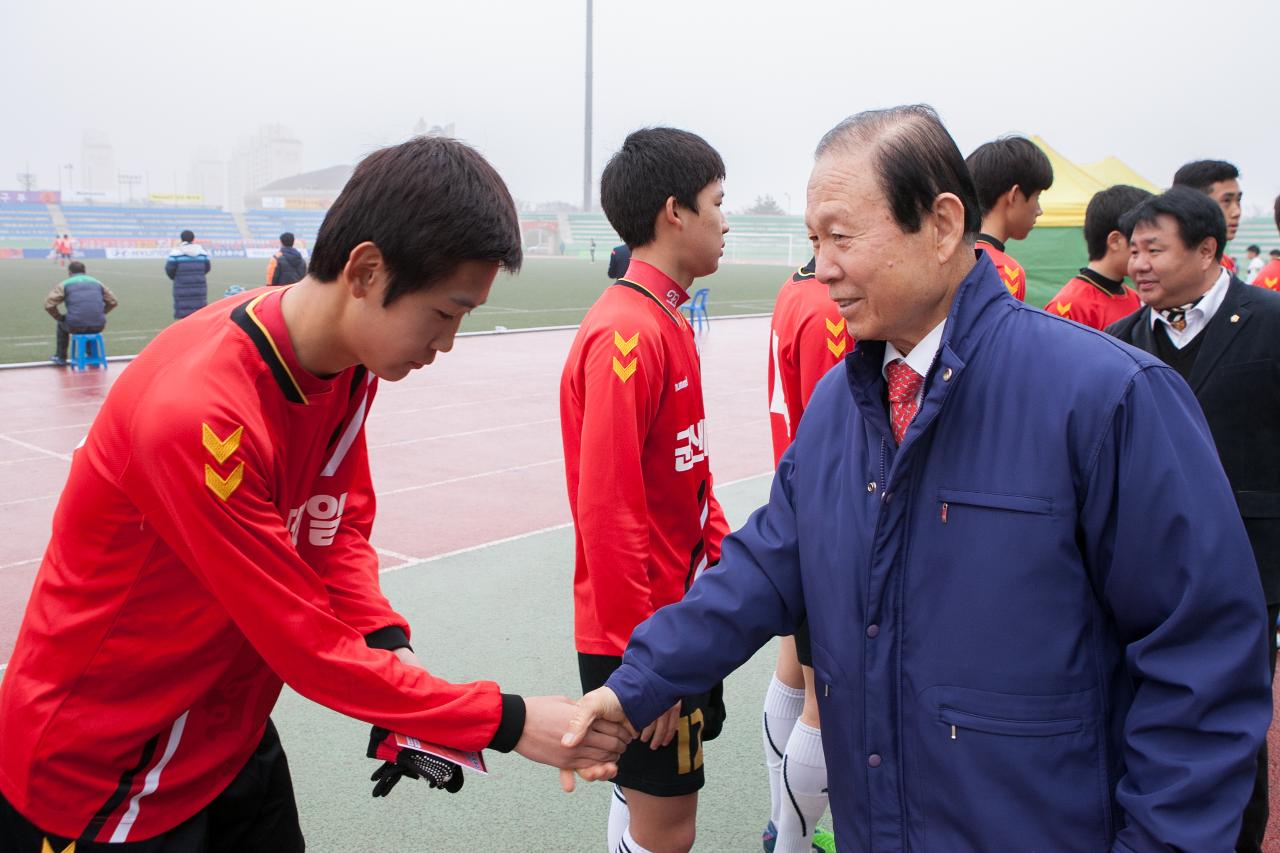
152 781
349 436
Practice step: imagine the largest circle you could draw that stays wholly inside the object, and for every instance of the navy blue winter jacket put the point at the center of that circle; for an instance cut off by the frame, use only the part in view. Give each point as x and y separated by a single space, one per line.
1036 625
187 266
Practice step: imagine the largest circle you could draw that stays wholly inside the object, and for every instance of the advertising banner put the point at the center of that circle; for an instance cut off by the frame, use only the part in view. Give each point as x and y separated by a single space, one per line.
30 197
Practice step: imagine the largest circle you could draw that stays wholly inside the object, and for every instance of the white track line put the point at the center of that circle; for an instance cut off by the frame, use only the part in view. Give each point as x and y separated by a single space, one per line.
464 434
466 477
20 563
66 457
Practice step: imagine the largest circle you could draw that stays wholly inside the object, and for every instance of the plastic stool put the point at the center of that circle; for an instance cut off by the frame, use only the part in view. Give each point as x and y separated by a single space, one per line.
696 309
88 350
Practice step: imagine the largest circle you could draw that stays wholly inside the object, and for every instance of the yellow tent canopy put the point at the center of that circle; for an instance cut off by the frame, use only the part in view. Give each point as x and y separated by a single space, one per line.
1113 170
1064 202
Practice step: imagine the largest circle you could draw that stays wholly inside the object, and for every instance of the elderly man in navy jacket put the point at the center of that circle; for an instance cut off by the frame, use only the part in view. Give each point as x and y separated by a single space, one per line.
1034 609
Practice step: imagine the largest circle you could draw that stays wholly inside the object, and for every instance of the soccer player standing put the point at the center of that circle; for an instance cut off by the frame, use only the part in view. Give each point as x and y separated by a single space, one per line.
1097 296
212 542
807 337
646 521
1010 174
1220 181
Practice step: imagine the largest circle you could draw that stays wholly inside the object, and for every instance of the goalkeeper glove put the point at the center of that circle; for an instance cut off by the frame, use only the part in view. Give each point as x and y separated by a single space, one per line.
439 772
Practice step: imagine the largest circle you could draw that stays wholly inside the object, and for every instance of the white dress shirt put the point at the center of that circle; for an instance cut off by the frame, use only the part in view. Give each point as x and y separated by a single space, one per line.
921 357
1197 317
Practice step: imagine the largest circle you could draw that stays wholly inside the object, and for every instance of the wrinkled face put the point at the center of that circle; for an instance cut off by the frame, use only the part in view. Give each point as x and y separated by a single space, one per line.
1023 214
703 237
406 335
880 276
1228 195
1165 272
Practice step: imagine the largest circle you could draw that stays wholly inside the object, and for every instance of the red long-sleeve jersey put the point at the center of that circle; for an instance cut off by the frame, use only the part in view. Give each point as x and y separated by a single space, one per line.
1011 272
1085 300
1269 276
646 520
807 337
212 541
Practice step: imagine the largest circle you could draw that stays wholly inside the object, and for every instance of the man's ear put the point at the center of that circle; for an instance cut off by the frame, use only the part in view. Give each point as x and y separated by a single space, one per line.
1011 197
364 268
1205 252
1117 242
948 225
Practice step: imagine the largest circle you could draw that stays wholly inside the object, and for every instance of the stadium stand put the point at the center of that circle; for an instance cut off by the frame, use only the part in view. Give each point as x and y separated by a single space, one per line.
763 239
107 222
268 225
26 222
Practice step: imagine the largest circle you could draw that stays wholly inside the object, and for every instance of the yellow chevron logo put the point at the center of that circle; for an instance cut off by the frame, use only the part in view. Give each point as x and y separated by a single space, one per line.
624 373
46 847
1010 274
1064 310
835 328
625 346
220 487
1271 282
219 448
837 349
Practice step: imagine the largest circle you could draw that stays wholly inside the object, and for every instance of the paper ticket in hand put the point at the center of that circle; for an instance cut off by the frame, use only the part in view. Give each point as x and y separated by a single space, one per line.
471 760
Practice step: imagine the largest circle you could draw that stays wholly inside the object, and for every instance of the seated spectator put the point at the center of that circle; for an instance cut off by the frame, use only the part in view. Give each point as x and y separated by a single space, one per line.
287 265
87 302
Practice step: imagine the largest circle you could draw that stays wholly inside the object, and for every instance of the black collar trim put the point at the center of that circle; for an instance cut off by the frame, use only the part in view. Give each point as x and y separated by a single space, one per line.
996 244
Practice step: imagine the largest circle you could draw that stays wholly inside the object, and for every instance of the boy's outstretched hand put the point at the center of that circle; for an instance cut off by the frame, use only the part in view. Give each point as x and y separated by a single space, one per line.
595 747
598 708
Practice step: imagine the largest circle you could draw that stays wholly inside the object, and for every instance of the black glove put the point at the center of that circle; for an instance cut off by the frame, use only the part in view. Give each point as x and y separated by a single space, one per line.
439 772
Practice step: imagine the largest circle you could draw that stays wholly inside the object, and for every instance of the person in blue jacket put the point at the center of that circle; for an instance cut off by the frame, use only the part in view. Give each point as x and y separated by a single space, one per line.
187 267
1034 610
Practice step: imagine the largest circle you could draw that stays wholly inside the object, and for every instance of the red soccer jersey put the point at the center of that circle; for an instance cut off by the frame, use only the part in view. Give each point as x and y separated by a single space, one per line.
1269 276
646 520
1229 263
1011 272
1087 300
212 541
807 338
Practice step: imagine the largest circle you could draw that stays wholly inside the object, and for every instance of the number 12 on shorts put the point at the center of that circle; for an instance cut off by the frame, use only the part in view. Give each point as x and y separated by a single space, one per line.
689 741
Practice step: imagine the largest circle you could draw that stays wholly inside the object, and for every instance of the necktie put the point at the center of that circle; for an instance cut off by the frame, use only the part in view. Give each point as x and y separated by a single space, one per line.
904 385
1177 317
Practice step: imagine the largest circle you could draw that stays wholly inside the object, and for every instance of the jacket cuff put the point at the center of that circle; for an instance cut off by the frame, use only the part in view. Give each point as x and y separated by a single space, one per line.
511 726
390 638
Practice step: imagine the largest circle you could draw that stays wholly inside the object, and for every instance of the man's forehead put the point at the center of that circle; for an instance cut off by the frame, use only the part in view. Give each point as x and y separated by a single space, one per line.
1154 232
1224 189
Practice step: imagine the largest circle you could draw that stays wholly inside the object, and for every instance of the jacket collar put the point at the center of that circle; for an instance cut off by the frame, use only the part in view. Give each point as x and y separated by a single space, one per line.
980 302
1232 315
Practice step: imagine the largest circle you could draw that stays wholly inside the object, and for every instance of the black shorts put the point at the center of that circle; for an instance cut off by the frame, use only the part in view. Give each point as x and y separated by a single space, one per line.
804 645
256 813
672 771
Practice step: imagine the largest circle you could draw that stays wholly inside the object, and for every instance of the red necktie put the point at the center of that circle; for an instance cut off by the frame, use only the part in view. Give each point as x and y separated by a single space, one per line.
904 385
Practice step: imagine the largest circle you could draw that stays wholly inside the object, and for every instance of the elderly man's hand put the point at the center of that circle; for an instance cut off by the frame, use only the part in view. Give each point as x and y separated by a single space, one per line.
598 708
594 754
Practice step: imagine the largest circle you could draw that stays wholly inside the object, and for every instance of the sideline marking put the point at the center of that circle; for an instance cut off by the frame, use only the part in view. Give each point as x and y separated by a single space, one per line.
66 457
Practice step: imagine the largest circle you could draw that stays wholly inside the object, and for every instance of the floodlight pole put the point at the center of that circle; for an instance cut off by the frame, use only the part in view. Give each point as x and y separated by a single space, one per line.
586 140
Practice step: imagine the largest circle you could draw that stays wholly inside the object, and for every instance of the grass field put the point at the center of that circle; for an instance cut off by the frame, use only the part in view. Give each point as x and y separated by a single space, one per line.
547 292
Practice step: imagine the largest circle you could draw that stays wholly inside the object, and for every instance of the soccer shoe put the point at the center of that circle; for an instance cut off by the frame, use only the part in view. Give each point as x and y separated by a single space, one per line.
823 841
58 360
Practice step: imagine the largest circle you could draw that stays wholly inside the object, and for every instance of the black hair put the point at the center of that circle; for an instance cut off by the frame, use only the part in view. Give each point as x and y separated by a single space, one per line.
653 165
1255 248
1275 253
1102 216
75 268
286 239
1197 215
1277 212
187 236
915 158
428 204
1203 174
1010 161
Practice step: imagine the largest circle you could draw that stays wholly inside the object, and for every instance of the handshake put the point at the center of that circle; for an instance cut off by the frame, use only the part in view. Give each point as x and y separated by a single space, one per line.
584 737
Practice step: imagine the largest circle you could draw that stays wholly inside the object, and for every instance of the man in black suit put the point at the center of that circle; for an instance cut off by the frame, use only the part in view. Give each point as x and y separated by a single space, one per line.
1224 338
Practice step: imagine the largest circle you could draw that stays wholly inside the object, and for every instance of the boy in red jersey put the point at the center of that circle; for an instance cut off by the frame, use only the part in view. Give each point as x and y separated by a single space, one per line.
1220 181
1009 173
646 521
807 337
212 543
1269 275
1097 296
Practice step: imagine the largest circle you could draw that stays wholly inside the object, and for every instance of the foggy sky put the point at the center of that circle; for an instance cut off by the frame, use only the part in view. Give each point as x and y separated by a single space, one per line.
1155 83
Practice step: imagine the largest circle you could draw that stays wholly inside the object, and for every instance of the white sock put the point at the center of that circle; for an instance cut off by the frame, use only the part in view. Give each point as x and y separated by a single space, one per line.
628 844
805 790
619 818
782 707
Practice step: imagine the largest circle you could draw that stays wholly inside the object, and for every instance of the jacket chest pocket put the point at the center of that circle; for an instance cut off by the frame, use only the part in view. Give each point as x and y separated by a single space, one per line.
964 721
964 502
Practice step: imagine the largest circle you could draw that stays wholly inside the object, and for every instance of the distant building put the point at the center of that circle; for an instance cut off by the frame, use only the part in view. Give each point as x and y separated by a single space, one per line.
307 191
269 155
207 178
97 165
422 129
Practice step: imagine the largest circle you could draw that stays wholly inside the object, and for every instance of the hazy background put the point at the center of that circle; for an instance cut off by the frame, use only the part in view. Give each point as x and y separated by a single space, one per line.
1156 83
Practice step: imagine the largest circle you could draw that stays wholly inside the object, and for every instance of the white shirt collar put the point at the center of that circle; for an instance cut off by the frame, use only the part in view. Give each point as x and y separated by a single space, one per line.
921 357
1199 316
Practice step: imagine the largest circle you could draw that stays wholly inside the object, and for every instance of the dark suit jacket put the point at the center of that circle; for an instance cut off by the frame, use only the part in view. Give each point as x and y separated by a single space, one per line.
1236 378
